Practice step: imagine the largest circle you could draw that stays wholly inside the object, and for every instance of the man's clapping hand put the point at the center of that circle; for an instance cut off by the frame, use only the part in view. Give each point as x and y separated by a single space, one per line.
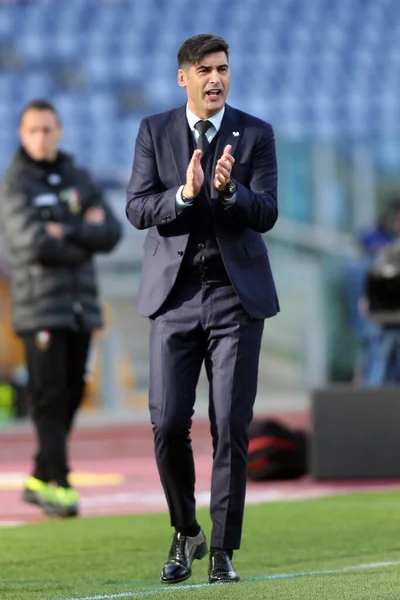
223 169
194 177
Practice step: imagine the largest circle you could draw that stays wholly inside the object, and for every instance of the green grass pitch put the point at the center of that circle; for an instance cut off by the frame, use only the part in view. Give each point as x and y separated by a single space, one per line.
343 547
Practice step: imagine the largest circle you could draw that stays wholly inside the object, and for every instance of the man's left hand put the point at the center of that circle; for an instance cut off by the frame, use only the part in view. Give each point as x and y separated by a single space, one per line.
223 169
95 215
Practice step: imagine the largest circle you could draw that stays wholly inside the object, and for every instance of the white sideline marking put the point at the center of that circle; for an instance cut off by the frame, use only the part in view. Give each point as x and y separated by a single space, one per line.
253 496
183 588
11 523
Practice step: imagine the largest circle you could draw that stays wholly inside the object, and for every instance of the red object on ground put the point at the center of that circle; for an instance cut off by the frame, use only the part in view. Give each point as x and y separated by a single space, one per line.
115 471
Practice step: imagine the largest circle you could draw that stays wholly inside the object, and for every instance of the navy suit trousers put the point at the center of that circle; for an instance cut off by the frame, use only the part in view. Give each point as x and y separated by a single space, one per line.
204 322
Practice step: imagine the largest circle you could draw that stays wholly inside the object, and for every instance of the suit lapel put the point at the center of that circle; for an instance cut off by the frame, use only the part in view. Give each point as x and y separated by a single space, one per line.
177 134
231 132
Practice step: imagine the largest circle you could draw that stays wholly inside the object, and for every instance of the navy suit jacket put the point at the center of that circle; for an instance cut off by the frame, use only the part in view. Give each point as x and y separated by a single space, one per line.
162 155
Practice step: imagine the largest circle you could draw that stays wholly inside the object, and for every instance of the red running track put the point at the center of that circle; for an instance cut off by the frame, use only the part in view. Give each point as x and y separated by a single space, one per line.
114 469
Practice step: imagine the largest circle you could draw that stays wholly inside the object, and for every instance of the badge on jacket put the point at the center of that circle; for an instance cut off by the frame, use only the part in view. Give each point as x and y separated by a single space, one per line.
71 197
43 339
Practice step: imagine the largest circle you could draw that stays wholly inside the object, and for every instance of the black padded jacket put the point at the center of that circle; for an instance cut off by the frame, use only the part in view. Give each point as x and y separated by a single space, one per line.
53 281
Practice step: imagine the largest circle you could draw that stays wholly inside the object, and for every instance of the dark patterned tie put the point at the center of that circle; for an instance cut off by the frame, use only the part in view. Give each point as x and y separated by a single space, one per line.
202 142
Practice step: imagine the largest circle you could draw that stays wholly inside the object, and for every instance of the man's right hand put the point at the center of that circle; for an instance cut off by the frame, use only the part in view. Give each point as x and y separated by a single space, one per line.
54 229
194 177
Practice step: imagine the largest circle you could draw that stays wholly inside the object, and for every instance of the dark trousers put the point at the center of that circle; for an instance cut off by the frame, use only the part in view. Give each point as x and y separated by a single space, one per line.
56 363
204 322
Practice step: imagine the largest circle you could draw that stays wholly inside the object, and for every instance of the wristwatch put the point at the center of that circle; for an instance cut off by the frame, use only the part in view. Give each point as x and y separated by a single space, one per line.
230 189
186 200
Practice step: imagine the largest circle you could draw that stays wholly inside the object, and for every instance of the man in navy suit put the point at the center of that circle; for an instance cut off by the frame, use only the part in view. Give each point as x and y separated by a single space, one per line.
204 183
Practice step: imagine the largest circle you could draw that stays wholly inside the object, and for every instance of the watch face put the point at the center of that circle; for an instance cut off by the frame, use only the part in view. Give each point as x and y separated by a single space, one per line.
232 187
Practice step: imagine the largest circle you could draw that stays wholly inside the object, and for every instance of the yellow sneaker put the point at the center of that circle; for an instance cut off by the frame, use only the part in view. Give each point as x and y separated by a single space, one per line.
34 491
60 501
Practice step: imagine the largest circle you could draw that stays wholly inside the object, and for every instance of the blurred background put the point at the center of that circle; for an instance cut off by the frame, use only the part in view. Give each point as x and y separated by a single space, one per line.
324 73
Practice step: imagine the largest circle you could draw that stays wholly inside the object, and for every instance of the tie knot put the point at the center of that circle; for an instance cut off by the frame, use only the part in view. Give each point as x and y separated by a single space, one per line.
202 126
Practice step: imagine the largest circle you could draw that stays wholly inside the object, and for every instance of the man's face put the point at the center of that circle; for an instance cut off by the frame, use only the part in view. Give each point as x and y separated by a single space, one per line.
206 83
40 133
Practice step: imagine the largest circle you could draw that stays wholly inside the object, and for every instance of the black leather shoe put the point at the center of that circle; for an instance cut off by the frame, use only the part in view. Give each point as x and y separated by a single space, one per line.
221 568
183 551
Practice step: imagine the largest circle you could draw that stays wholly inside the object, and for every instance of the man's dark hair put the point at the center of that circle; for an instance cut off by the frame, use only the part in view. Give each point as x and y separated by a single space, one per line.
39 104
196 47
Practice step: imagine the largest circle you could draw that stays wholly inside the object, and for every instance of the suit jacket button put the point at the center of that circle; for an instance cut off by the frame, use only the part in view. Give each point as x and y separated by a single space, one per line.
180 253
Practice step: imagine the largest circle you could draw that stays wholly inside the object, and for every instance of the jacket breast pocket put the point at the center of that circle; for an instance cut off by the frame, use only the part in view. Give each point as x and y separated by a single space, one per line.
150 245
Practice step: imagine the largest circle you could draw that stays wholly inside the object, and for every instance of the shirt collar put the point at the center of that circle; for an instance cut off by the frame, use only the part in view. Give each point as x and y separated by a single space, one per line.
216 120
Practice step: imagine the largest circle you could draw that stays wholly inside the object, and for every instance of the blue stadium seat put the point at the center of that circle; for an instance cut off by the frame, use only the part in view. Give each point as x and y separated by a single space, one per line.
311 68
